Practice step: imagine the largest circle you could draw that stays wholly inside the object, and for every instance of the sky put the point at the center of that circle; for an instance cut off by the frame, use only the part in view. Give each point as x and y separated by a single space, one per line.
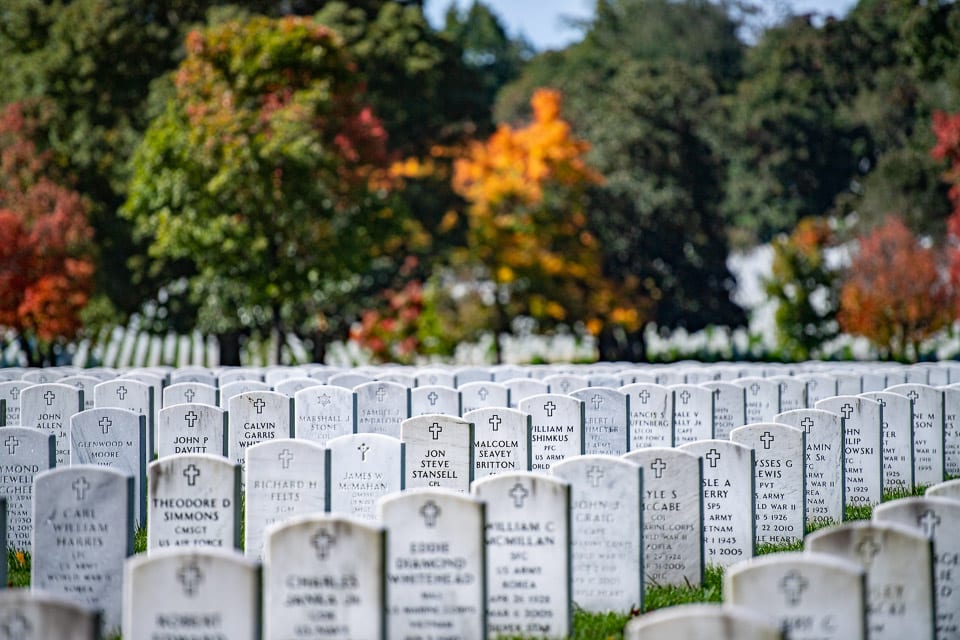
542 20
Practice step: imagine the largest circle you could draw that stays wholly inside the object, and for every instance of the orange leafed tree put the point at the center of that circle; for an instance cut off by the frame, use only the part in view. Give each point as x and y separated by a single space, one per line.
525 189
895 293
46 273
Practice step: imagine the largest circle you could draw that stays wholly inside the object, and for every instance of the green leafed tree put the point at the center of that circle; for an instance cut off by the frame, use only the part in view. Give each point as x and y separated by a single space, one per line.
265 180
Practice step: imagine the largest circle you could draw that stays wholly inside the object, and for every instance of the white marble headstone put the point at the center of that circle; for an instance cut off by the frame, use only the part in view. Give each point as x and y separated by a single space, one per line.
528 554
824 460
928 436
863 450
324 577
439 452
48 407
898 465
478 395
363 468
729 407
501 440
27 614
606 420
436 570
192 428
706 621
381 407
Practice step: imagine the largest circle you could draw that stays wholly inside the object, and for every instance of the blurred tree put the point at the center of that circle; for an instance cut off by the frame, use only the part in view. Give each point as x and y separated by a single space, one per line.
894 293
268 174
805 289
528 231
946 127
45 267
487 49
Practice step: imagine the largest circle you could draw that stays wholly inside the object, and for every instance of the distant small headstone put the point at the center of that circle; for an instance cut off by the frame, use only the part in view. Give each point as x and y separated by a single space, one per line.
729 407
467 375
131 395
651 415
523 388
436 570
381 407
928 436
434 399
82 533
951 431
193 501
189 393
436 377
192 594
228 391
85 384
323 577
692 413
763 398
528 554
363 468
606 420
478 395
566 383
10 395
348 379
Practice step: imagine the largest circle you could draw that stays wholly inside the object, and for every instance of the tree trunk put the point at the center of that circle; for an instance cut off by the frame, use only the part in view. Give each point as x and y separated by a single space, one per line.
229 344
277 334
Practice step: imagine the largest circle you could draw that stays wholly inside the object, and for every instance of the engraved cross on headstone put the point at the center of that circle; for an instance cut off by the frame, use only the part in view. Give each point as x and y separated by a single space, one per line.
121 392
189 394
432 397
928 522
435 429
807 424
483 393
644 396
322 540
494 422
767 439
595 475
597 400
105 424
191 473
867 550
80 485
430 512
658 466
11 444
190 577
684 396
793 585
713 456
381 393
519 493
755 388
49 396
191 419
285 457
363 448
846 411
259 404
16 627
15 393
913 395
549 407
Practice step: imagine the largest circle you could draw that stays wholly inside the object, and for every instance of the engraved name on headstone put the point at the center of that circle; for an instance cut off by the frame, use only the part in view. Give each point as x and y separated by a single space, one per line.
363 467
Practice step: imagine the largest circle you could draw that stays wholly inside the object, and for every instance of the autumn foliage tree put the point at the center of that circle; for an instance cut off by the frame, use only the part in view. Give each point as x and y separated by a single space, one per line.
265 181
946 127
895 293
45 266
527 228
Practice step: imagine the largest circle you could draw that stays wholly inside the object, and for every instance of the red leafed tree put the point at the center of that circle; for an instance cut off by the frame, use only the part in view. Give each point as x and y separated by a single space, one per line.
947 129
895 293
46 272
